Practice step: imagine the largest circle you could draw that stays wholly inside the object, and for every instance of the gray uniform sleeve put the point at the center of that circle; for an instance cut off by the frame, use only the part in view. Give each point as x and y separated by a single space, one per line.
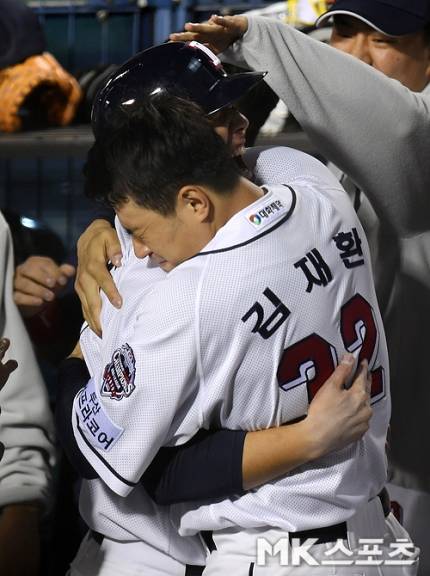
371 127
26 428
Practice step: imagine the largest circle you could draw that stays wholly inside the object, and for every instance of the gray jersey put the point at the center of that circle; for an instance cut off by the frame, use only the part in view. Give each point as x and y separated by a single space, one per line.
26 427
242 336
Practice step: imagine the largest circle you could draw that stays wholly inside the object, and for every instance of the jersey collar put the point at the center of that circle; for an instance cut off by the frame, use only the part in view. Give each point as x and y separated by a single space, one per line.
256 220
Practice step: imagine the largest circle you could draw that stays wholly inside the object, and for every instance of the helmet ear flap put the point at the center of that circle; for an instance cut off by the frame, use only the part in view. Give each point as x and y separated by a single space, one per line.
187 70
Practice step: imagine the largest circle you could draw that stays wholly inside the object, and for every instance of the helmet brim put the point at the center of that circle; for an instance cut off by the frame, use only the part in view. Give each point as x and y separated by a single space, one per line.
230 89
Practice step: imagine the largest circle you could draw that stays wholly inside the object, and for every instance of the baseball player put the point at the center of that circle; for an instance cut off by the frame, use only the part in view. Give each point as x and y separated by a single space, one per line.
294 163
372 122
156 548
267 165
245 273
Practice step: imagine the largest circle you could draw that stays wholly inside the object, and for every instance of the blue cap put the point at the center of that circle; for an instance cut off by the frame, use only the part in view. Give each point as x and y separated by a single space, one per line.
391 17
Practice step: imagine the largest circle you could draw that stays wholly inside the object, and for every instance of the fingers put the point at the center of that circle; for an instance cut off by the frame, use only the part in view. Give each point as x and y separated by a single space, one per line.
67 271
183 37
97 277
340 376
218 33
37 279
96 246
227 22
88 289
100 246
91 312
112 247
28 292
115 255
363 379
368 377
361 388
44 271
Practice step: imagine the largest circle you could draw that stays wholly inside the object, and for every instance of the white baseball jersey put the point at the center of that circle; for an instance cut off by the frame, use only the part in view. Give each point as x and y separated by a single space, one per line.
136 517
241 336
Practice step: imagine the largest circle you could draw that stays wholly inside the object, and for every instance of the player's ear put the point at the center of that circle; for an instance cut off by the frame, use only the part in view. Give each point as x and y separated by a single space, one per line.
193 202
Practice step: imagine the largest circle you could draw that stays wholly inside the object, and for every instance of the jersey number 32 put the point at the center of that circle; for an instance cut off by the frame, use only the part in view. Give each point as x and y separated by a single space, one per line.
312 360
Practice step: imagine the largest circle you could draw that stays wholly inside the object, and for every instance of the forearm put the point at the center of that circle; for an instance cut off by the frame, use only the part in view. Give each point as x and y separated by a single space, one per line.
222 463
346 107
207 467
271 453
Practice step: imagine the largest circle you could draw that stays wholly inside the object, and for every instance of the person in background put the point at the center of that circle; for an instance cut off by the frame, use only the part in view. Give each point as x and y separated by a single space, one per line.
26 436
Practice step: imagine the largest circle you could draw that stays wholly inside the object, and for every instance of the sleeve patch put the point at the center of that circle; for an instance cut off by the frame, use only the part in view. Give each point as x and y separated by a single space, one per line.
118 376
99 428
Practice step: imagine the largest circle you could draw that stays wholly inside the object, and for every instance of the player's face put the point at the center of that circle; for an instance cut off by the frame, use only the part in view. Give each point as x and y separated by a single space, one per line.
404 58
231 125
168 240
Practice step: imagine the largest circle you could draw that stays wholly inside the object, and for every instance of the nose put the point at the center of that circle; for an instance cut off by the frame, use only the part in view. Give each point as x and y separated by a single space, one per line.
140 249
358 46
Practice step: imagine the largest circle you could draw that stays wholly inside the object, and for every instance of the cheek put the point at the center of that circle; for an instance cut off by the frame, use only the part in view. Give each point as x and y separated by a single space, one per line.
391 64
223 132
341 43
411 73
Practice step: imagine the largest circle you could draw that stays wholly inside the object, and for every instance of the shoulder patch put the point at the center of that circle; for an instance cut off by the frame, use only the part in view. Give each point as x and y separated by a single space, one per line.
94 419
118 376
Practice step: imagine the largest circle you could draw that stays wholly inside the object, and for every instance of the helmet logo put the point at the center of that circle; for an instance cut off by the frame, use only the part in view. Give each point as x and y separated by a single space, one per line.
215 60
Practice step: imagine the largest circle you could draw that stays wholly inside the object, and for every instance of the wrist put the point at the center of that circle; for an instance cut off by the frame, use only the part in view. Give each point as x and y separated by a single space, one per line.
312 441
242 25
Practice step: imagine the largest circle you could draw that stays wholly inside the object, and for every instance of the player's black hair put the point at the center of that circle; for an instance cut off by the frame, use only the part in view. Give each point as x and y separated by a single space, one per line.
148 156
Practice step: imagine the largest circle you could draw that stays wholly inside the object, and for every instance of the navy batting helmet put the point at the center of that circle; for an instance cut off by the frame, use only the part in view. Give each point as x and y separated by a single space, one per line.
188 70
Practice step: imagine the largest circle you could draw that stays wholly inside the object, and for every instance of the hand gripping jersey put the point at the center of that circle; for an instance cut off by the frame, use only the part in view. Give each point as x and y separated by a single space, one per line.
241 336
